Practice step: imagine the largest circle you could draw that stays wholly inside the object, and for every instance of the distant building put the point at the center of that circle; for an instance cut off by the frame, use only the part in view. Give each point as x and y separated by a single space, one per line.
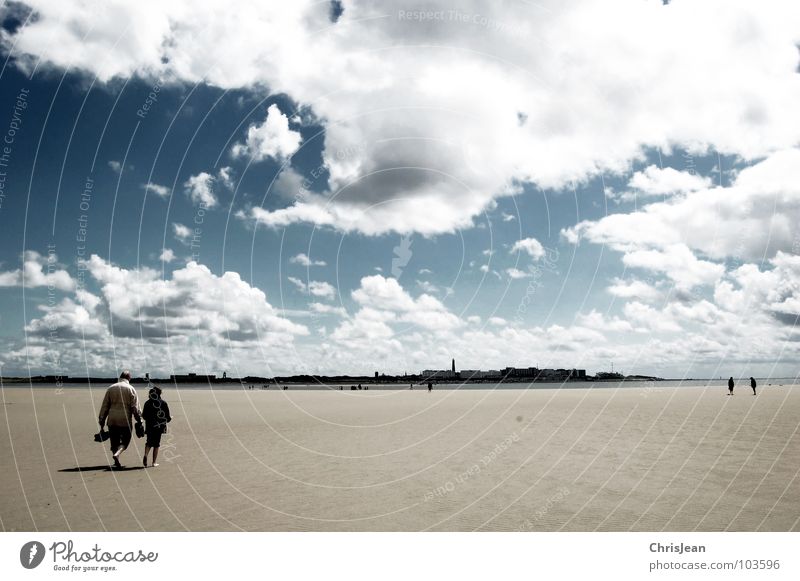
520 372
438 374
478 373
192 378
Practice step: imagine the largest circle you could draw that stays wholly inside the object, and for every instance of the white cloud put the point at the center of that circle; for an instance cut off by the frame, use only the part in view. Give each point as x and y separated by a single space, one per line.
304 260
531 246
115 166
678 263
158 190
193 300
634 289
225 177
299 212
182 233
324 309
427 286
298 283
272 138
386 295
687 238
316 288
167 255
38 271
200 189
67 320
754 217
322 289
515 273
596 320
655 181
193 320
601 84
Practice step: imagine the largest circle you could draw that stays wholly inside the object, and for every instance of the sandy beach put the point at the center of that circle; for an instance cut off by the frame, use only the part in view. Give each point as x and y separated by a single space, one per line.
659 458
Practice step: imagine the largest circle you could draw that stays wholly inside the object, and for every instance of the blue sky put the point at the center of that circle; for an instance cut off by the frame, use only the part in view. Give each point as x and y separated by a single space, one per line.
467 200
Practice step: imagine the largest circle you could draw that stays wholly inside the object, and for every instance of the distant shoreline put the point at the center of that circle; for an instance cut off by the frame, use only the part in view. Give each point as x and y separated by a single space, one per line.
326 380
102 383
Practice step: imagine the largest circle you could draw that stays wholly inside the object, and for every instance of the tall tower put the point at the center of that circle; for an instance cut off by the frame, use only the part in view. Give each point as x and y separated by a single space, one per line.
454 365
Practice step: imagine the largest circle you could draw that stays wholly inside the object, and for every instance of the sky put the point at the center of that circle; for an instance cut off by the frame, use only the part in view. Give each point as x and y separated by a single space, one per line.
270 188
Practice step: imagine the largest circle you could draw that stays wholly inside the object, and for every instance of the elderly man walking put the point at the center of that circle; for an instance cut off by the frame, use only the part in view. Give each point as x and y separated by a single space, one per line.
119 405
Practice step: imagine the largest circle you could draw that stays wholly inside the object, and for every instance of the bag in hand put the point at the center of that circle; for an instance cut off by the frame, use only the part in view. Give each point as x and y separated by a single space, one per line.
139 427
102 436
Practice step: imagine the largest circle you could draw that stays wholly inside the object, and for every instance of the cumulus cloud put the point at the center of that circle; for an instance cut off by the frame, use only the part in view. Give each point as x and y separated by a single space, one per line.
304 260
193 300
588 99
324 309
271 139
225 178
182 233
515 273
754 217
530 246
655 181
199 188
38 271
67 320
598 321
678 263
167 255
192 320
158 190
689 239
386 295
427 286
316 288
634 289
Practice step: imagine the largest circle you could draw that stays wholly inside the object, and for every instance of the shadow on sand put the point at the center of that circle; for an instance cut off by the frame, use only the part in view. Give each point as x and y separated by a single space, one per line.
102 468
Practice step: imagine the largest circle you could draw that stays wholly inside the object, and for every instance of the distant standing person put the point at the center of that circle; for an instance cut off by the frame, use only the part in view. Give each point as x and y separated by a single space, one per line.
155 413
430 387
120 404
730 386
753 385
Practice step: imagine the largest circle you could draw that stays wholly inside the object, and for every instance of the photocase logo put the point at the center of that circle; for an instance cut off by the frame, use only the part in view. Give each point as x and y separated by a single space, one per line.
402 254
31 554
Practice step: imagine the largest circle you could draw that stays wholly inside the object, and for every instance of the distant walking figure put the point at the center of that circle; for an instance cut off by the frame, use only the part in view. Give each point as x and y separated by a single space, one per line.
120 403
430 386
155 413
753 385
730 386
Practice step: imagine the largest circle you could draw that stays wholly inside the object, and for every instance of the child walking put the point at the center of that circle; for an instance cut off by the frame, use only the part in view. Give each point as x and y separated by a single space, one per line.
155 413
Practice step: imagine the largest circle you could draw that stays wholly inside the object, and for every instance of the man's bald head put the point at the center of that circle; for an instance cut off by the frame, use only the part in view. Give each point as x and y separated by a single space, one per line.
126 375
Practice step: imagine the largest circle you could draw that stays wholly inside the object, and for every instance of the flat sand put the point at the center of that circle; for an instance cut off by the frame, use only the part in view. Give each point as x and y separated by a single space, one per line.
604 459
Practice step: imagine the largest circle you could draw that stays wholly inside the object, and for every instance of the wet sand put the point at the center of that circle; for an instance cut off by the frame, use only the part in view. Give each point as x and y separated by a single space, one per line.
535 460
